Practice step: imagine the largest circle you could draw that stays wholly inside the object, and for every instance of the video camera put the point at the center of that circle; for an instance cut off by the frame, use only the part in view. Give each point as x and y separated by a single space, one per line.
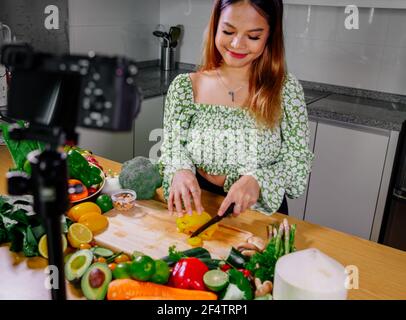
54 94
66 91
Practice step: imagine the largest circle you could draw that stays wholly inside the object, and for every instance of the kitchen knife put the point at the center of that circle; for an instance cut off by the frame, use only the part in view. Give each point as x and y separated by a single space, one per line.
213 220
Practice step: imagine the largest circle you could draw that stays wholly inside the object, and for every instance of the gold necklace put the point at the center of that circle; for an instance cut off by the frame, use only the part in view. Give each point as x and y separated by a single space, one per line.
230 91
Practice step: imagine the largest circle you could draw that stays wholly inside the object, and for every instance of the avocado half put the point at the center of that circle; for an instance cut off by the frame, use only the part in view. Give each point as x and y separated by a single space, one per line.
95 281
77 264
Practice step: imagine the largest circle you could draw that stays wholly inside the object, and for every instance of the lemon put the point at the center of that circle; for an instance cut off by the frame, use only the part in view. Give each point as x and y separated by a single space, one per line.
43 245
78 234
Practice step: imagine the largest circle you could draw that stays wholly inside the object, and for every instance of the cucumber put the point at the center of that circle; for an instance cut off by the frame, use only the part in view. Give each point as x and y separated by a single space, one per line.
212 263
215 280
236 258
102 252
197 252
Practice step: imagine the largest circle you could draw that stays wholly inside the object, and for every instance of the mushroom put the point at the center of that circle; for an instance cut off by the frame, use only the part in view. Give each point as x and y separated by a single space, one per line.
262 288
246 246
258 242
249 253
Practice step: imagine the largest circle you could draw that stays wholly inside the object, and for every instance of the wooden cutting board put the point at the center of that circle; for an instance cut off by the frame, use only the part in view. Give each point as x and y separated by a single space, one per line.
150 229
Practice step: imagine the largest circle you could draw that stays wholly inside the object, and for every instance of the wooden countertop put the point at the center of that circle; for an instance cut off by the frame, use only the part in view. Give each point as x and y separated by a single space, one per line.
382 270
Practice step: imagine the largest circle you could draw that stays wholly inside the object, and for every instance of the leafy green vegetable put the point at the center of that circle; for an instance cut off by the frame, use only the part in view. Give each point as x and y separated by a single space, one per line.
20 226
30 244
262 264
19 149
239 287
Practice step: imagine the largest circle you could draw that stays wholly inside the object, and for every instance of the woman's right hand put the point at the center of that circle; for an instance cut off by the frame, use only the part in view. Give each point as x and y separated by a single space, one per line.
184 187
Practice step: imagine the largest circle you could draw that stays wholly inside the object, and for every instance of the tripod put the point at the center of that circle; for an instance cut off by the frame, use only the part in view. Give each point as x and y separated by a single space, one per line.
49 186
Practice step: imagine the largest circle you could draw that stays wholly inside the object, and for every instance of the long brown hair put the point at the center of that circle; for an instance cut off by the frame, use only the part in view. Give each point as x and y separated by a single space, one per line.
267 71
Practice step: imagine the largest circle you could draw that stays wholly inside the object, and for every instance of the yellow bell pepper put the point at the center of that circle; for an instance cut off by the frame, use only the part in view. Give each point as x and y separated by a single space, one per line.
188 224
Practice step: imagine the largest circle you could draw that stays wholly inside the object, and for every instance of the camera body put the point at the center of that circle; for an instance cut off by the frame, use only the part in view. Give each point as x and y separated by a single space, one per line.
66 91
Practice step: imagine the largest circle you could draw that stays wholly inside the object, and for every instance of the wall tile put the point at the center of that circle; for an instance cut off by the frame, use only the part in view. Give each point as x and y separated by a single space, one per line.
190 47
312 22
397 28
392 77
117 12
345 64
131 41
373 26
115 27
194 13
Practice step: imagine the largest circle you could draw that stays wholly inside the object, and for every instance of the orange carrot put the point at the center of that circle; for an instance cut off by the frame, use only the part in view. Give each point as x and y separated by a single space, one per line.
126 289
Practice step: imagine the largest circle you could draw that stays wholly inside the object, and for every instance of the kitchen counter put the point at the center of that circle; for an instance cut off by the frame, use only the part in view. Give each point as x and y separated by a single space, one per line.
382 270
362 111
324 102
155 82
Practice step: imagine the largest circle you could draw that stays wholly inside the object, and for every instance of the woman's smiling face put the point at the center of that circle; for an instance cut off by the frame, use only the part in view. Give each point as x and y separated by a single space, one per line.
242 34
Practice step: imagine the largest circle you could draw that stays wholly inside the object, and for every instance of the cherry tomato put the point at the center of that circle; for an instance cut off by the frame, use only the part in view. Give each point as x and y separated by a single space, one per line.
121 258
101 259
225 267
112 266
85 246
245 272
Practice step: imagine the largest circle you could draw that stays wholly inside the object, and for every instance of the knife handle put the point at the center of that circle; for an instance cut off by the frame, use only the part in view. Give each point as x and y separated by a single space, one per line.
229 210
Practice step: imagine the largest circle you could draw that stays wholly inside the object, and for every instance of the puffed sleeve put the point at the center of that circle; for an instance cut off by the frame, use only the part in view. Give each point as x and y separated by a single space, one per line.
288 174
178 112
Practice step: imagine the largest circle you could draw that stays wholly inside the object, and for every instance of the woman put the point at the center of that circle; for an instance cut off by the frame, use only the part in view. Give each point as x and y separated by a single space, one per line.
242 88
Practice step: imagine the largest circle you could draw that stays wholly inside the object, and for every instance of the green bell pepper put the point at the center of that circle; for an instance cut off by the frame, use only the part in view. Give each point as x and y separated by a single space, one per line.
79 168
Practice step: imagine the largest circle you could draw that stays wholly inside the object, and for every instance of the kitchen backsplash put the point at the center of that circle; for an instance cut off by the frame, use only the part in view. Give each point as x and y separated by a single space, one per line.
318 46
115 27
26 20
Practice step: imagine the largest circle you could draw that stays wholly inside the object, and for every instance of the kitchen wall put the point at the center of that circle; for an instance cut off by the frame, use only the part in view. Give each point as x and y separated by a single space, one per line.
26 20
318 46
114 27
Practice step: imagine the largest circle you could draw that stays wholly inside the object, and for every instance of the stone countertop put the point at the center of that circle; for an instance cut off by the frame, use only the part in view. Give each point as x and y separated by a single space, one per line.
362 107
154 82
362 111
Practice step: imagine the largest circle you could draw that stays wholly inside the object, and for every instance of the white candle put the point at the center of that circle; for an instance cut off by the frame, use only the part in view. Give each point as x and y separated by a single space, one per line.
309 275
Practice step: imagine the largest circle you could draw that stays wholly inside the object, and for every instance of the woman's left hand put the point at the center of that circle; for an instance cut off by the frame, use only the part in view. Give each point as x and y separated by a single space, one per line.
244 193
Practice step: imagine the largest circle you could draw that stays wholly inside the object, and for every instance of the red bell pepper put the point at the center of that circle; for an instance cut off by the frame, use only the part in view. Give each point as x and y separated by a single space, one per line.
188 274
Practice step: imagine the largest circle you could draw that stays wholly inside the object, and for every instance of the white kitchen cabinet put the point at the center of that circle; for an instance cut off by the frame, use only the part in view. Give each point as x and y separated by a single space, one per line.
297 206
148 128
345 180
117 146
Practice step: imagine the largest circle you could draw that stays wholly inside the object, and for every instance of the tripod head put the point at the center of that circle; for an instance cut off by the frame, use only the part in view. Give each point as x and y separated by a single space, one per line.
54 94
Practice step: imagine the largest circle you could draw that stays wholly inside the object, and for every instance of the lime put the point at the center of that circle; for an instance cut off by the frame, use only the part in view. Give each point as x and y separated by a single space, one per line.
162 272
142 268
78 233
136 254
121 271
43 245
215 280
104 202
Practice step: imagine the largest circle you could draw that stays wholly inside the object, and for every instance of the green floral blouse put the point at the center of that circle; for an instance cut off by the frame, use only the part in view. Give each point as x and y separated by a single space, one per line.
224 140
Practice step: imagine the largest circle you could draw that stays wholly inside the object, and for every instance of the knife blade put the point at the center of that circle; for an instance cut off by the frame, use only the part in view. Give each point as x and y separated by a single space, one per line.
213 220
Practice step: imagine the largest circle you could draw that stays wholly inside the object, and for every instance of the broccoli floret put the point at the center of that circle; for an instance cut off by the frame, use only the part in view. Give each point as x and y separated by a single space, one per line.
142 176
